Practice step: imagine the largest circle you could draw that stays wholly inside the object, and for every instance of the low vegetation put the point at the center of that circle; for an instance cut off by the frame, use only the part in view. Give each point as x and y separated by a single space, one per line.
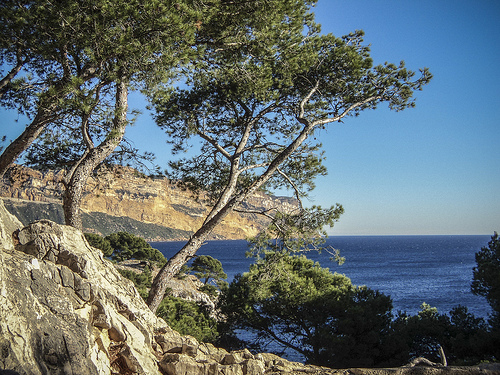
287 302
189 318
124 246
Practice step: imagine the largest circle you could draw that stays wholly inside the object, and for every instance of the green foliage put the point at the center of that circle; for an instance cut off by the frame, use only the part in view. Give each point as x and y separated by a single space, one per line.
69 65
128 246
463 337
256 107
205 268
2 140
141 280
58 149
299 231
486 277
188 318
99 242
294 302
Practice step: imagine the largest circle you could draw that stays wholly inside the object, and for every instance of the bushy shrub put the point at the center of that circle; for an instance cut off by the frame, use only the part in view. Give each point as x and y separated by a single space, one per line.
292 301
188 318
486 277
463 337
142 280
128 246
99 242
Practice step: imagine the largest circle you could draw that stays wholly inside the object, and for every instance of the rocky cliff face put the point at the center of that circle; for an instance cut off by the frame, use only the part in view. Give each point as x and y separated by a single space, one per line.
123 193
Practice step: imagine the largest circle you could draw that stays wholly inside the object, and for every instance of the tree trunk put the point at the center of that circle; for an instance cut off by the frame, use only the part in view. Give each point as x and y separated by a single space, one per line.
227 203
76 179
21 143
174 264
73 194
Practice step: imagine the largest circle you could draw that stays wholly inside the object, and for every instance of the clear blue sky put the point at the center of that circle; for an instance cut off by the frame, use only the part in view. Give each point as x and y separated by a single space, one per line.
434 169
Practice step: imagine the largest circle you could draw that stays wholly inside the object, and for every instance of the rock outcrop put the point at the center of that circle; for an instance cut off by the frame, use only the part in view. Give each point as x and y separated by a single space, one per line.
64 309
124 193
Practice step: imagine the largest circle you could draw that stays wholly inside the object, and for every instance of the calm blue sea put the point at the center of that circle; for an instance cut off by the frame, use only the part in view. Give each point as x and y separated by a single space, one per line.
411 269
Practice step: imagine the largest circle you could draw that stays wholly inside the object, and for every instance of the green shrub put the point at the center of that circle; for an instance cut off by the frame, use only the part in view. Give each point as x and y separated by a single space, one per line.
99 242
188 318
293 302
142 281
128 246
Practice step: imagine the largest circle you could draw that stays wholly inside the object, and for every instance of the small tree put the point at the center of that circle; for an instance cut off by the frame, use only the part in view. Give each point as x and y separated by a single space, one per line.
462 337
142 280
205 268
486 282
128 246
100 243
292 301
486 277
188 318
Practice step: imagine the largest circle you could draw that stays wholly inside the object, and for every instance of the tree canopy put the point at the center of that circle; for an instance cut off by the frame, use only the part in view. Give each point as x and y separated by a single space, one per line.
256 106
128 246
71 64
486 283
292 301
206 267
486 278
259 80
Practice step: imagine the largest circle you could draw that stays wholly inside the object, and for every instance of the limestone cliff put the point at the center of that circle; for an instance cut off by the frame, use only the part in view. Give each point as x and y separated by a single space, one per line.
122 193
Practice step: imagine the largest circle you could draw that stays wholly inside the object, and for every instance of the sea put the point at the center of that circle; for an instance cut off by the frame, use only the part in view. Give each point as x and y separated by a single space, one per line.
411 270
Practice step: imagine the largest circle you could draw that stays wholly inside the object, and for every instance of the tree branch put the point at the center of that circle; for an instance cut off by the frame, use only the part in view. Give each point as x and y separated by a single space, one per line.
306 99
254 166
347 111
257 212
214 143
10 76
294 186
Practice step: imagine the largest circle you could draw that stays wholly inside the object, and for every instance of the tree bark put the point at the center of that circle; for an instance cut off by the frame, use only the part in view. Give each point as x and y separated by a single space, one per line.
21 143
174 264
10 76
77 178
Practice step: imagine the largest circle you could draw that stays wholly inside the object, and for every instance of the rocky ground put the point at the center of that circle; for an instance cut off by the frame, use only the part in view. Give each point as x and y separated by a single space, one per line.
64 309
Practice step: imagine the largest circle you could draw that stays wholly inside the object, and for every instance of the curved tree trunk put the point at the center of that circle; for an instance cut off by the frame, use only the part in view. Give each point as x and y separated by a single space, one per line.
227 203
188 251
174 264
78 176
21 143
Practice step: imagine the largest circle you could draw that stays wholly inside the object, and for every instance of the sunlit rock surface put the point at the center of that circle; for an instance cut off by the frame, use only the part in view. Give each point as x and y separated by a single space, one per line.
124 200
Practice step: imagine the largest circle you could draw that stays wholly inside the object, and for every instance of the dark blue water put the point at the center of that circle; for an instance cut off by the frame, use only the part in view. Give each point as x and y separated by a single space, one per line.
411 269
